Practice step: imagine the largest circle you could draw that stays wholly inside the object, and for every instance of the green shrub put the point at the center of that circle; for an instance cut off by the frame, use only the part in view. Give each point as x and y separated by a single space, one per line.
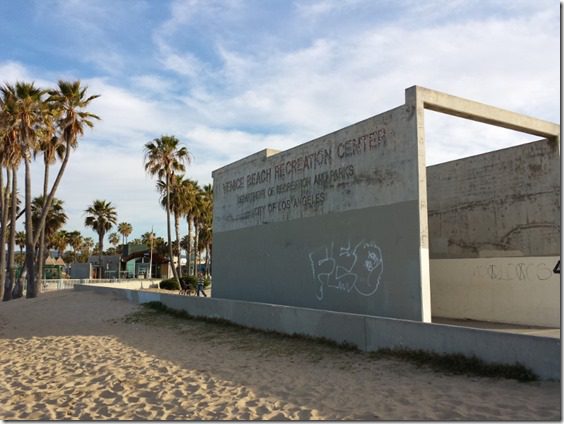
190 280
169 284
207 282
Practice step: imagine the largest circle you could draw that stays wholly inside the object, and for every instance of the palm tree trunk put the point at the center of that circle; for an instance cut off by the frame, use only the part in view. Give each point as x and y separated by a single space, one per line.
207 259
29 244
41 252
3 228
171 263
177 234
49 200
196 248
189 245
100 247
11 280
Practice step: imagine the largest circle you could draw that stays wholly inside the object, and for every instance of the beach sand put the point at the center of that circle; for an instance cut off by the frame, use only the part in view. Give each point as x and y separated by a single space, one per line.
80 355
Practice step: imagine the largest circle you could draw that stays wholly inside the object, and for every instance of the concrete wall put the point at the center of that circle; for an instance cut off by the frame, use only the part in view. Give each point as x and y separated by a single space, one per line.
130 284
81 270
502 203
331 224
509 290
368 333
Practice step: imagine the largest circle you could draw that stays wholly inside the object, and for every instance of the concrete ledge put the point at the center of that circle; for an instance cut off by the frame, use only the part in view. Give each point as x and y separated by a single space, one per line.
368 333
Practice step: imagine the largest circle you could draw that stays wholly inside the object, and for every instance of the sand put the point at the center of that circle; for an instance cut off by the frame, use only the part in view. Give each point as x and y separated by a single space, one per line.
80 355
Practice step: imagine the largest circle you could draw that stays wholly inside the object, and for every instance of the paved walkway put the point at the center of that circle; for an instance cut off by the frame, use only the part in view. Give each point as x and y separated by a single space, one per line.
495 326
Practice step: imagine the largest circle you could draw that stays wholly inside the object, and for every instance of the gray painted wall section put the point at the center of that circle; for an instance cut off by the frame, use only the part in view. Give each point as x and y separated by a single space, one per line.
501 203
541 354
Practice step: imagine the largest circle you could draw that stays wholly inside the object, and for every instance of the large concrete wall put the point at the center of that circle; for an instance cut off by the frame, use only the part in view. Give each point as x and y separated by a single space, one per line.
368 333
509 290
331 224
502 203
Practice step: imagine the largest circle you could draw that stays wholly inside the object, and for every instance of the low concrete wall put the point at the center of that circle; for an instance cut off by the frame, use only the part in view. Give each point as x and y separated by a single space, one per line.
131 284
368 333
519 290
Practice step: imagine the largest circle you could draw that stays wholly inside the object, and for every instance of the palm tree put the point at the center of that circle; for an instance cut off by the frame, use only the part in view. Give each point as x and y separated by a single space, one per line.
29 115
178 199
56 218
101 217
20 240
87 245
67 104
75 240
52 148
125 229
206 217
59 241
11 153
114 239
163 157
192 193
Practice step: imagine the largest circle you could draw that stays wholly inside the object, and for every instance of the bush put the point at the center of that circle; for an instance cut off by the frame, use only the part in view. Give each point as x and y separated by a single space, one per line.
169 284
190 280
207 282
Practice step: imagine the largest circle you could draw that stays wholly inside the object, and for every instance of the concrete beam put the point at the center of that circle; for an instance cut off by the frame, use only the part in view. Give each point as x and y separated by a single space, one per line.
480 112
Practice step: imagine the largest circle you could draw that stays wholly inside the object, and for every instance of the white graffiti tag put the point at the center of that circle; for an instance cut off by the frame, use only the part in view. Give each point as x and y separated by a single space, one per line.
358 267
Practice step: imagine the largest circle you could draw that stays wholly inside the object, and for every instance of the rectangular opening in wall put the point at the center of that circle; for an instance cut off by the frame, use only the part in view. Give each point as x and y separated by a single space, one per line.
493 204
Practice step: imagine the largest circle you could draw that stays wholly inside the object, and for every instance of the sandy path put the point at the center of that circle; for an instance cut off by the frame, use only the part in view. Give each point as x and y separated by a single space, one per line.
71 355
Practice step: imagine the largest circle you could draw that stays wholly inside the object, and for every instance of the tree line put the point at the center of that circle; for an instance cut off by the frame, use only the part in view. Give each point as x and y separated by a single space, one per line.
166 159
46 124
34 123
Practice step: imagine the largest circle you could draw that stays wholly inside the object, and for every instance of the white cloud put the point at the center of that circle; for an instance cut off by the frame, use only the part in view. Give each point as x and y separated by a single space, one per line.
229 101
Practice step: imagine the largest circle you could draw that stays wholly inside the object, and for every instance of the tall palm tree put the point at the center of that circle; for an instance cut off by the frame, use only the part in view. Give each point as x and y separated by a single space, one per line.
192 193
206 217
164 157
178 199
11 158
101 216
52 147
67 105
29 115
125 229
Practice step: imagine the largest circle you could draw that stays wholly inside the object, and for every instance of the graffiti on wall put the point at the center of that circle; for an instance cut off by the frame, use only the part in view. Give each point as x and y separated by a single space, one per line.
514 271
348 267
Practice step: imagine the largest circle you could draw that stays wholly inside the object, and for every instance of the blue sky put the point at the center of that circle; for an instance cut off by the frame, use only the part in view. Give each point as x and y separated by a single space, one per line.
229 78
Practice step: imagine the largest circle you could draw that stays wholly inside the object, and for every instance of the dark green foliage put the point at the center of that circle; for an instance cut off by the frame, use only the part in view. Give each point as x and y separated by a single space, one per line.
457 363
207 282
190 280
170 284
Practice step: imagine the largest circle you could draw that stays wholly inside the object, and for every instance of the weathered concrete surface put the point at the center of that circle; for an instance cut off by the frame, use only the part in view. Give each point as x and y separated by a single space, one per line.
502 203
368 333
480 112
333 224
519 290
